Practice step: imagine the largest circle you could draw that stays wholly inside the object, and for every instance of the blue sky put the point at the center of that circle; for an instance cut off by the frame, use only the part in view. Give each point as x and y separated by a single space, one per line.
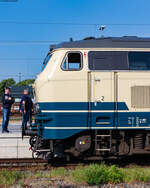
15 58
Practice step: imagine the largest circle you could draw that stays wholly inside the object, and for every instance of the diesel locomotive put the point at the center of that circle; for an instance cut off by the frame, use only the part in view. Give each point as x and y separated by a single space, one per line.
93 100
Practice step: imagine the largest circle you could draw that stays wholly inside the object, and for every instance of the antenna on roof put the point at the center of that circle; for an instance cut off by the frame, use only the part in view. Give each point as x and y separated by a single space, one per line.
71 39
102 28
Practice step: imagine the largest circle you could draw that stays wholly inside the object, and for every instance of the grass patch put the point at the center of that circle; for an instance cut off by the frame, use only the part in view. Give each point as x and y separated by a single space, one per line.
93 174
39 174
135 174
8 178
54 173
77 175
115 175
96 174
58 172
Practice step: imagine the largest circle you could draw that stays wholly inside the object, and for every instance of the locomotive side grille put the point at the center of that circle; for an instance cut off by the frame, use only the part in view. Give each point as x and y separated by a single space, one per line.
140 97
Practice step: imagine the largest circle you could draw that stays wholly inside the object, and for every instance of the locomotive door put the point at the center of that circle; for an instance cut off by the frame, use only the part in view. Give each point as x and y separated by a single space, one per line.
102 99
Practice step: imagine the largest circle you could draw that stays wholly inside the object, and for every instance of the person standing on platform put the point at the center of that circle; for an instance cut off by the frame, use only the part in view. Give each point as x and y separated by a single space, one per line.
26 108
7 101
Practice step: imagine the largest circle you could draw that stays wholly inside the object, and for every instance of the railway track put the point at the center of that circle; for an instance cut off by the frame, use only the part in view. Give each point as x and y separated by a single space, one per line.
41 164
22 163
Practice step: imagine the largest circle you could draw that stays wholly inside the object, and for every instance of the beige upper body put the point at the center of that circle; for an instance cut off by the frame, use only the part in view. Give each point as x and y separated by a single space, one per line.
56 85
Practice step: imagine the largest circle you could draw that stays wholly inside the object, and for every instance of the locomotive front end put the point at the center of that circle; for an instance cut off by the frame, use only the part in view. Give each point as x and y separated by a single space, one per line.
43 95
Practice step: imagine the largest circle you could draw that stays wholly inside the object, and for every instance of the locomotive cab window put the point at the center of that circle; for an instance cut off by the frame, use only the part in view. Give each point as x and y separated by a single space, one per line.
73 61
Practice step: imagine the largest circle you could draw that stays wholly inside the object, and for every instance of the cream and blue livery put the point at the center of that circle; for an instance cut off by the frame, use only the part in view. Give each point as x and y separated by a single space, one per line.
93 99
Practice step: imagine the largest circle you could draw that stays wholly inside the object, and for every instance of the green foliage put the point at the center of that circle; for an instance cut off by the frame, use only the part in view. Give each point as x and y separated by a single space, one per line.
55 173
11 82
38 175
8 178
115 175
93 174
77 175
96 174
59 172
25 82
137 174
6 83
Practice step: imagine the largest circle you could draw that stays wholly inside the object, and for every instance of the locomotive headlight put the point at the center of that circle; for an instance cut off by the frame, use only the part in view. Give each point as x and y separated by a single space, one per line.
37 108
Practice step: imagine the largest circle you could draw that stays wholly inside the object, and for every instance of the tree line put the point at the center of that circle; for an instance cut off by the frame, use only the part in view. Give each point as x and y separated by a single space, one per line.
11 82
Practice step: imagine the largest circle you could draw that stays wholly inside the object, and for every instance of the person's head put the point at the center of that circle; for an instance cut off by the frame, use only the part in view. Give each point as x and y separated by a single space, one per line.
7 90
26 92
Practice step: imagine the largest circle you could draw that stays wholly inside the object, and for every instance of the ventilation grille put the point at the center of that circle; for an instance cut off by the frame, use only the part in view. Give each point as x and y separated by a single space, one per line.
140 97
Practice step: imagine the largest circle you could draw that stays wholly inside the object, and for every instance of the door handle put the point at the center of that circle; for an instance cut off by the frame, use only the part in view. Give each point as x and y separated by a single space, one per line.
97 80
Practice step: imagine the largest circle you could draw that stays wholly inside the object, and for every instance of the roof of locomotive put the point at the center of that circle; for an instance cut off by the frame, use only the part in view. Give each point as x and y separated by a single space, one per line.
108 42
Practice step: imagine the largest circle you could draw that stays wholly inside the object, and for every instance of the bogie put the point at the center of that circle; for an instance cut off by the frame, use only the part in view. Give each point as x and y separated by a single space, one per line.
99 144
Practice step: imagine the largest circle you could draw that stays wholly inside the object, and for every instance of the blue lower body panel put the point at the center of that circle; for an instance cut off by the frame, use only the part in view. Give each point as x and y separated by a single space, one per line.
133 119
61 125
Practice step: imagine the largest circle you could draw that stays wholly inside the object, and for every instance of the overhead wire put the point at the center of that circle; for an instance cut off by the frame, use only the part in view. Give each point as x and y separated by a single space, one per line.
13 42
71 23
21 59
9 75
28 41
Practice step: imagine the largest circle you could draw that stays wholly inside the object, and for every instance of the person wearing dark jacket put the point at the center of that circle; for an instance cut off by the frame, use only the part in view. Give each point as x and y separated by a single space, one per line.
26 108
7 101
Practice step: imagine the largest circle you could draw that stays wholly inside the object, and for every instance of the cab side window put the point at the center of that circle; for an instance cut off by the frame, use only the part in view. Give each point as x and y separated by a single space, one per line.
108 60
73 61
139 61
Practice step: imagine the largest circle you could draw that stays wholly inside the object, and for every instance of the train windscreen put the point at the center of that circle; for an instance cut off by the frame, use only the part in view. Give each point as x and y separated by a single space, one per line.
46 60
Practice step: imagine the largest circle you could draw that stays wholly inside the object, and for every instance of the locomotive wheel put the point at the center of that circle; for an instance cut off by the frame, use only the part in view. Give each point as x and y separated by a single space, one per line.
35 155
